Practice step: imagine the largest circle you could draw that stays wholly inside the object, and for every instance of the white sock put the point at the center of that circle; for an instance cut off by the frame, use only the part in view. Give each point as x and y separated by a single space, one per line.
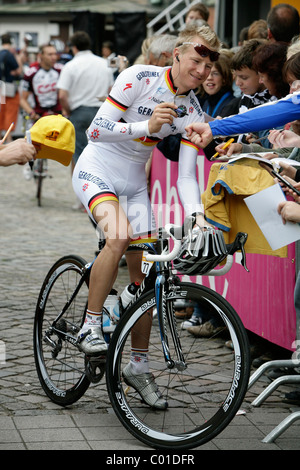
91 319
139 361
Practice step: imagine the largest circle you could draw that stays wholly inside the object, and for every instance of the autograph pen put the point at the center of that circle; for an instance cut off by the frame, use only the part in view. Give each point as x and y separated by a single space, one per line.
7 133
225 146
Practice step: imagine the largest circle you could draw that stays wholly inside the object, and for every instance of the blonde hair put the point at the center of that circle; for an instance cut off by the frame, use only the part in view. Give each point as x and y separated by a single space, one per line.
204 32
294 48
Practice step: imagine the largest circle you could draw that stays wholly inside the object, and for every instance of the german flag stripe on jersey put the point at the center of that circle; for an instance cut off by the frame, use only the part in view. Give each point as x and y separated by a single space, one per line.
147 141
147 238
189 143
116 103
101 197
169 81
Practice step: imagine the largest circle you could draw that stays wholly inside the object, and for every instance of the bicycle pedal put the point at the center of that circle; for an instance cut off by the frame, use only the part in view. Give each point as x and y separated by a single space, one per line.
95 368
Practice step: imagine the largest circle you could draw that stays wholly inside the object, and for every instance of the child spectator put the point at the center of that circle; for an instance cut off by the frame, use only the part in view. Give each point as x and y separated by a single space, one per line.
247 79
217 91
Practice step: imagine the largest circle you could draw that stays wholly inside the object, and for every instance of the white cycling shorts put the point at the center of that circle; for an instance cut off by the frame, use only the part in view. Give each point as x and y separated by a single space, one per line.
100 175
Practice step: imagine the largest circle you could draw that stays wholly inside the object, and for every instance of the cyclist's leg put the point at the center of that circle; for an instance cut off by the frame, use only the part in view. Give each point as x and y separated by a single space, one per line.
113 223
140 334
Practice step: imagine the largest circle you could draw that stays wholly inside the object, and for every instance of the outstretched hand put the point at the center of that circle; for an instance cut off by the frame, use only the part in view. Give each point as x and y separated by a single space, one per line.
199 133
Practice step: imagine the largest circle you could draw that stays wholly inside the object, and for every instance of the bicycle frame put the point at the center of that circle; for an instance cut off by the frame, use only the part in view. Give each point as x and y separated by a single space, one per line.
160 278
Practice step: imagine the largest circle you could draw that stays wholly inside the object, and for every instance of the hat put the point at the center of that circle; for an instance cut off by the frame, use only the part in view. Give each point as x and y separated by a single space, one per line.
54 136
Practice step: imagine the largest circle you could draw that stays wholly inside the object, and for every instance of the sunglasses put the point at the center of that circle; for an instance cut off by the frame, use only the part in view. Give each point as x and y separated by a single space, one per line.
203 51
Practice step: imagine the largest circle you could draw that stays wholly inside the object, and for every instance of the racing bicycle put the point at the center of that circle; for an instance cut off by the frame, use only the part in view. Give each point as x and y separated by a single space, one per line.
202 380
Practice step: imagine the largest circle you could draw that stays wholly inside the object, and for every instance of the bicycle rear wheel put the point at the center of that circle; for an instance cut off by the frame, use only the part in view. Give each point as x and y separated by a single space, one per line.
60 365
204 395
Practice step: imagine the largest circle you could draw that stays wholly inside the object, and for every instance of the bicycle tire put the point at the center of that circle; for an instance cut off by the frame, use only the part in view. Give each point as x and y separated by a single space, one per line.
203 398
59 363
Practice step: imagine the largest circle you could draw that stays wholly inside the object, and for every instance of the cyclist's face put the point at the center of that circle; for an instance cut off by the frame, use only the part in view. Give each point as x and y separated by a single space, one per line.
48 57
192 69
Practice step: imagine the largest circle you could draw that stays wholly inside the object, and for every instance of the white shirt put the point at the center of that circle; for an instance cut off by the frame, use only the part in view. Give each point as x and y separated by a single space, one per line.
87 79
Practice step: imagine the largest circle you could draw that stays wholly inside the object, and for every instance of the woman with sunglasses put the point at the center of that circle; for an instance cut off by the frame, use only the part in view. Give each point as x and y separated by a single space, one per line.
146 104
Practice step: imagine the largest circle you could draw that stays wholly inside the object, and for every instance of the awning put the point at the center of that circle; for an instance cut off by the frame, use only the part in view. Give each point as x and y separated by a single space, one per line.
105 7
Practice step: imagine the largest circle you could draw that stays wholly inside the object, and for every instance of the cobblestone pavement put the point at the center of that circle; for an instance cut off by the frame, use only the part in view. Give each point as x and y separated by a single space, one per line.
32 238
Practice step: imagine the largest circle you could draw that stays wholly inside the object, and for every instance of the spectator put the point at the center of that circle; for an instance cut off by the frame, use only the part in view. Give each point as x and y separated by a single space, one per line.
243 36
108 50
160 51
291 72
39 95
216 91
283 23
83 85
291 77
275 114
197 12
290 212
18 151
258 30
247 78
293 48
269 60
10 70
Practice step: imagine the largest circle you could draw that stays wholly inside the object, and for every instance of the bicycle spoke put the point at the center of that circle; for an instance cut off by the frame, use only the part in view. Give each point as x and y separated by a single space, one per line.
203 395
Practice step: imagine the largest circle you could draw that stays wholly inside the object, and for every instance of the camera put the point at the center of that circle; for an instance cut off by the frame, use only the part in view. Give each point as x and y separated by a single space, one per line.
114 62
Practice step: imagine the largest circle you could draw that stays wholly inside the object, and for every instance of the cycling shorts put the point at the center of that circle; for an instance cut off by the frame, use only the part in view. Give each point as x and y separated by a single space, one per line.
100 176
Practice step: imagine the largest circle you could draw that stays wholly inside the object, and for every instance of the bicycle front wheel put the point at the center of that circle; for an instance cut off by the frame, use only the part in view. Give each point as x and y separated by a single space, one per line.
60 365
38 175
203 392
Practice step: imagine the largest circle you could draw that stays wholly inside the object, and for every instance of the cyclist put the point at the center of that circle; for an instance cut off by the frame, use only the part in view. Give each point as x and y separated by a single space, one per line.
39 94
39 83
146 104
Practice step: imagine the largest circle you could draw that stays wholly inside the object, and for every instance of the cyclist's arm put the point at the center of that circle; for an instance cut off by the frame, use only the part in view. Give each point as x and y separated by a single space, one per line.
187 185
107 126
26 106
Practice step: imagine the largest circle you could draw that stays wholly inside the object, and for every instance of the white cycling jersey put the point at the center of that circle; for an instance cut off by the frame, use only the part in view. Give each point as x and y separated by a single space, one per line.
119 136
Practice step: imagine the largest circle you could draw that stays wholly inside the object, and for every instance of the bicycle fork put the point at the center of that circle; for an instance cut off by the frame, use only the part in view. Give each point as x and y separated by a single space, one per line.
166 318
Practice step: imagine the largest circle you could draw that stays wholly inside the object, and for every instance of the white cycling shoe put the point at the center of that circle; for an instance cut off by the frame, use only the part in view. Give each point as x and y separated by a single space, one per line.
145 385
91 341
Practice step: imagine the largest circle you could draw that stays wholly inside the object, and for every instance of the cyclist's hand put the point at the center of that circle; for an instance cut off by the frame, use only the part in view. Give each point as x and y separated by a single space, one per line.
163 114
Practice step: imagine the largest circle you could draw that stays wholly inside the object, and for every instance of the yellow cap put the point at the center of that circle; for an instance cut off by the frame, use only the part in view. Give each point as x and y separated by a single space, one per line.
54 138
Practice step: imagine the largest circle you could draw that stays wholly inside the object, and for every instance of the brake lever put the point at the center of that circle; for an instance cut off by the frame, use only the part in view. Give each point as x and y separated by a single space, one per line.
238 244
